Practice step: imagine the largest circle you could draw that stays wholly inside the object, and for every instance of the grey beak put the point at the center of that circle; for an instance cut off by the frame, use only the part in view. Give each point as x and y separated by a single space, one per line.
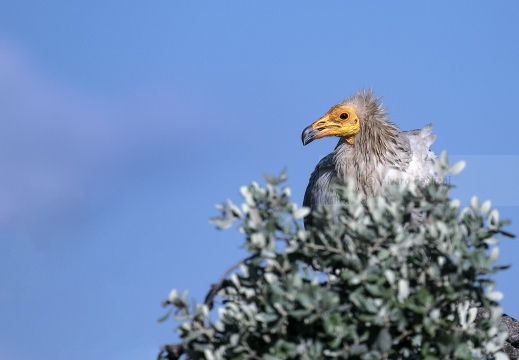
308 135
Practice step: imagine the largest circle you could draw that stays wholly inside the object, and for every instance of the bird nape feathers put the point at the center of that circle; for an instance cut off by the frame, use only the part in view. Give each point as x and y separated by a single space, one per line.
371 150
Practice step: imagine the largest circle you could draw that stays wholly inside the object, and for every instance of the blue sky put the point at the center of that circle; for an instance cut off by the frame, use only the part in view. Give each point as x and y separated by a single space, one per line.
122 123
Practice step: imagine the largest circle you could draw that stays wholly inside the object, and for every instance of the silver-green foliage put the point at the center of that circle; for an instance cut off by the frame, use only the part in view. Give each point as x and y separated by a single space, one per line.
374 282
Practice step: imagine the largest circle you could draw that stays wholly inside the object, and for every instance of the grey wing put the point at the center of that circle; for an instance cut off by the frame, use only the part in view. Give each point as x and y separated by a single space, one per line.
318 192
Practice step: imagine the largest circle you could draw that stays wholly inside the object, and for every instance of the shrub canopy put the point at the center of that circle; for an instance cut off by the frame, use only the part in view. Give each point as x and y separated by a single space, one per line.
399 276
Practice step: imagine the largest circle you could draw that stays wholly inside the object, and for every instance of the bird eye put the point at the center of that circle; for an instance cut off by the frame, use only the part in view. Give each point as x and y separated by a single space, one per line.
344 116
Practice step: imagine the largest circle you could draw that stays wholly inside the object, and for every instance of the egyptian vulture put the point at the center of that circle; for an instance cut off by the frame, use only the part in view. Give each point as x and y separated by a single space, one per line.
371 150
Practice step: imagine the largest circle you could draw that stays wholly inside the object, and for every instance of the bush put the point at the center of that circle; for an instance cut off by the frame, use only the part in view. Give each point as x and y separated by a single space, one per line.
371 282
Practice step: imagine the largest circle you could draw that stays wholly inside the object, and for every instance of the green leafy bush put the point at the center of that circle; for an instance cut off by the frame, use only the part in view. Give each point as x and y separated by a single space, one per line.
395 277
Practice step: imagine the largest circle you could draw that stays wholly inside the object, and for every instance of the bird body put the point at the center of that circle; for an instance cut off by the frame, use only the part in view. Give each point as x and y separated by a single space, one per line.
371 150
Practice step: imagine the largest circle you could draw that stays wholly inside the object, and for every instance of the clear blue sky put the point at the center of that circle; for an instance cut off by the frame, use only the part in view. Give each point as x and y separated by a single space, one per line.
122 123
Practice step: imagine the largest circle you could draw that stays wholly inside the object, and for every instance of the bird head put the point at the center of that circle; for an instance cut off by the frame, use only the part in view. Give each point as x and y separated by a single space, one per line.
341 121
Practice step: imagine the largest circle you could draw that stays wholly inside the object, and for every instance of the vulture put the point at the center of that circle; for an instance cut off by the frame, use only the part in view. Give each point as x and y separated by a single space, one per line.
371 150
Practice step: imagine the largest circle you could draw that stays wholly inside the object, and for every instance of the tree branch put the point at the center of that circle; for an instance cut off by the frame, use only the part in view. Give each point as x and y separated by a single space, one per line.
172 352
220 284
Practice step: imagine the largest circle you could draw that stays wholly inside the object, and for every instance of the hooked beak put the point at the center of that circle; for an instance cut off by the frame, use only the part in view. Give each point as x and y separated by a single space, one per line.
318 129
309 134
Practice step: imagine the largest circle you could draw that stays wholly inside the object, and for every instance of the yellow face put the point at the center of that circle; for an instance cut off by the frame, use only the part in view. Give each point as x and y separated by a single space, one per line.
340 120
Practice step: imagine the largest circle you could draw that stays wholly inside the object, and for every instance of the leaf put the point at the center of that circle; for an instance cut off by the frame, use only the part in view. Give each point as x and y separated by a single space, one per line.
390 276
374 290
494 295
383 341
173 295
494 254
208 354
473 312
264 317
235 211
273 180
164 317
485 207
493 219
301 212
403 289
501 356
270 357
443 157
245 192
457 168
455 203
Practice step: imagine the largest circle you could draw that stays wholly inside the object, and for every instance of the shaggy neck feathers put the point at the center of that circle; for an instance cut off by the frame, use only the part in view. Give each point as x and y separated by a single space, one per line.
376 146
